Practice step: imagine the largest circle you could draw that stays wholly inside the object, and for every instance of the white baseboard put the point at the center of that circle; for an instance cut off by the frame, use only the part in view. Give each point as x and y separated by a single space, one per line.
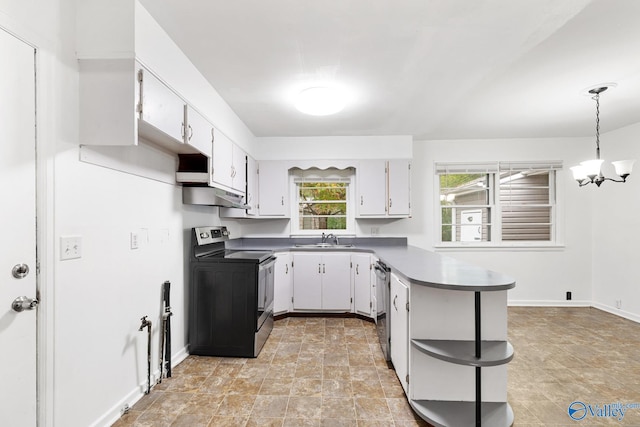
542 303
548 303
618 312
115 412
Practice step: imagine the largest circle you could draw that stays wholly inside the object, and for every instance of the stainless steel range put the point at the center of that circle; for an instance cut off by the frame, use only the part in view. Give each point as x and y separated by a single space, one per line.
231 296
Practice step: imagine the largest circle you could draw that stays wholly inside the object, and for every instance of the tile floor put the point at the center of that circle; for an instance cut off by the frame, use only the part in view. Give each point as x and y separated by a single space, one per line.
330 372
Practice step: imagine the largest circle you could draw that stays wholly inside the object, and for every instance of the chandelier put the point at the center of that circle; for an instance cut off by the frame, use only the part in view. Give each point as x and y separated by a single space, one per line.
589 172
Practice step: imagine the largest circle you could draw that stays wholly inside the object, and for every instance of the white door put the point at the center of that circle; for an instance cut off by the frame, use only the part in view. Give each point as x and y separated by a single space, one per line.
273 186
399 187
282 283
372 188
17 225
336 281
307 281
399 320
239 169
162 110
199 132
362 283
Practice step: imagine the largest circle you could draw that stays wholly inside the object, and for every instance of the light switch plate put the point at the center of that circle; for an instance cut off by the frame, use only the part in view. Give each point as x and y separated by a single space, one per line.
70 247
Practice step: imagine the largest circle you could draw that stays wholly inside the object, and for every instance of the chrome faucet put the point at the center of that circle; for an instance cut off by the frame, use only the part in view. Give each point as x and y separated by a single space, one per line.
330 235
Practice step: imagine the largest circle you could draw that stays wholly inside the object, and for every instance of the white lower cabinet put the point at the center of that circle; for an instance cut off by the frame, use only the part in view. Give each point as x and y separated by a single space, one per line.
399 320
321 281
363 293
282 283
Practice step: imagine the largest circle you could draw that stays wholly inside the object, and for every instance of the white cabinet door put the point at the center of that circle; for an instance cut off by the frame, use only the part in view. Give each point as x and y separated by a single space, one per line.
282 283
239 169
399 329
399 176
273 185
336 283
362 289
199 132
307 281
222 159
372 188
162 113
252 186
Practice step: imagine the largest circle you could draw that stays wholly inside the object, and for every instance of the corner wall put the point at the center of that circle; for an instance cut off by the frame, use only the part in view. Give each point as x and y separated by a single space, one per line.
615 228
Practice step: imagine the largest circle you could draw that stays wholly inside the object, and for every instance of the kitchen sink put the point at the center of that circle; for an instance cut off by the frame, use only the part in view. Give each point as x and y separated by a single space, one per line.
324 246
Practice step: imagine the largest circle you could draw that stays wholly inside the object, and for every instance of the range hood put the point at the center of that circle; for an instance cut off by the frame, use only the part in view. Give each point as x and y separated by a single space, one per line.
211 196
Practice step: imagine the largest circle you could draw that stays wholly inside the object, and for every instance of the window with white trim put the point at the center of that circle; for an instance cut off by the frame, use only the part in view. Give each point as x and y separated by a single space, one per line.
322 202
491 203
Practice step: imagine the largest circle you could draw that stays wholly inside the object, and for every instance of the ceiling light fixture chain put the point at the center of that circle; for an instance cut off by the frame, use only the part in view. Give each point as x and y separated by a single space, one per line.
589 171
596 97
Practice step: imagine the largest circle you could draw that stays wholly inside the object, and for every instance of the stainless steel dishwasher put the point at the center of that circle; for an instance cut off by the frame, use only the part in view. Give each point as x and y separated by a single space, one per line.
383 281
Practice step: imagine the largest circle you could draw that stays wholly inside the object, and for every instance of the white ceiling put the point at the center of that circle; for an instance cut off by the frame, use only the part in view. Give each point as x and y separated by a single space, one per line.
434 69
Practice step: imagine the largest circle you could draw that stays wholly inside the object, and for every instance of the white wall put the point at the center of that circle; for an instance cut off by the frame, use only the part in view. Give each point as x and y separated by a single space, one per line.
90 310
616 208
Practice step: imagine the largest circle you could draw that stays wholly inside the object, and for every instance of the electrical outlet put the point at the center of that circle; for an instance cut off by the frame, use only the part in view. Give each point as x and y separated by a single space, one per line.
135 240
375 231
618 303
568 296
70 247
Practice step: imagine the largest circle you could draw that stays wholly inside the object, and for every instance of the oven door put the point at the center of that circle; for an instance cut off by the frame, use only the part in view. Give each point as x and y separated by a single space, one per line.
265 290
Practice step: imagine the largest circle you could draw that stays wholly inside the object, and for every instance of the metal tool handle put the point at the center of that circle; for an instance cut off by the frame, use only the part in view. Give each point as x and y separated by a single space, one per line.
23 303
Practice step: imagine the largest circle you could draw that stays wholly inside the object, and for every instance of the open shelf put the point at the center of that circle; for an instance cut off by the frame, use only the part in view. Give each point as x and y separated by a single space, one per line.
494 353
460 414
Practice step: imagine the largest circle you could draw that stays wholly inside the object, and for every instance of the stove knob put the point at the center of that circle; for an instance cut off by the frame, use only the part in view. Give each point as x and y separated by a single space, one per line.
204 235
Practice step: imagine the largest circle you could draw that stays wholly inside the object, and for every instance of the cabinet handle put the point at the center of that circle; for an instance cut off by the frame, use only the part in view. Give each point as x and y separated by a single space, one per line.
190 132
233 171
357 265
282 201
319 269
390 202
286 269
361 200
323 271
182 130
394 302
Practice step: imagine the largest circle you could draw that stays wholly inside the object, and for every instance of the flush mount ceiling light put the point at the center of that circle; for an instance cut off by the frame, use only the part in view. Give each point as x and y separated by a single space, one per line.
320 101
589 172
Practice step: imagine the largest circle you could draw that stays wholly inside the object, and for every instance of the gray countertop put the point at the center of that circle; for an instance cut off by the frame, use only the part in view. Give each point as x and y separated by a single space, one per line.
420 266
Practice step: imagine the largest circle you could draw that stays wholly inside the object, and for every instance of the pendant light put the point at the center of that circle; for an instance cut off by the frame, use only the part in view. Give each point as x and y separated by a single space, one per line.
589 171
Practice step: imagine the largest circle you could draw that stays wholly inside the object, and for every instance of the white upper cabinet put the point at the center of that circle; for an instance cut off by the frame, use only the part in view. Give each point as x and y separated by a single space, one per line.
229 164
161 111
399 182
198 132
273 188
252 186
383 188
372 188
121 101
222 172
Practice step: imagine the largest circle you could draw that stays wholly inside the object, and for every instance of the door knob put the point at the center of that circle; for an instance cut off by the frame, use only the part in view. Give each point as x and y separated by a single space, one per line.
20 270
23 303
